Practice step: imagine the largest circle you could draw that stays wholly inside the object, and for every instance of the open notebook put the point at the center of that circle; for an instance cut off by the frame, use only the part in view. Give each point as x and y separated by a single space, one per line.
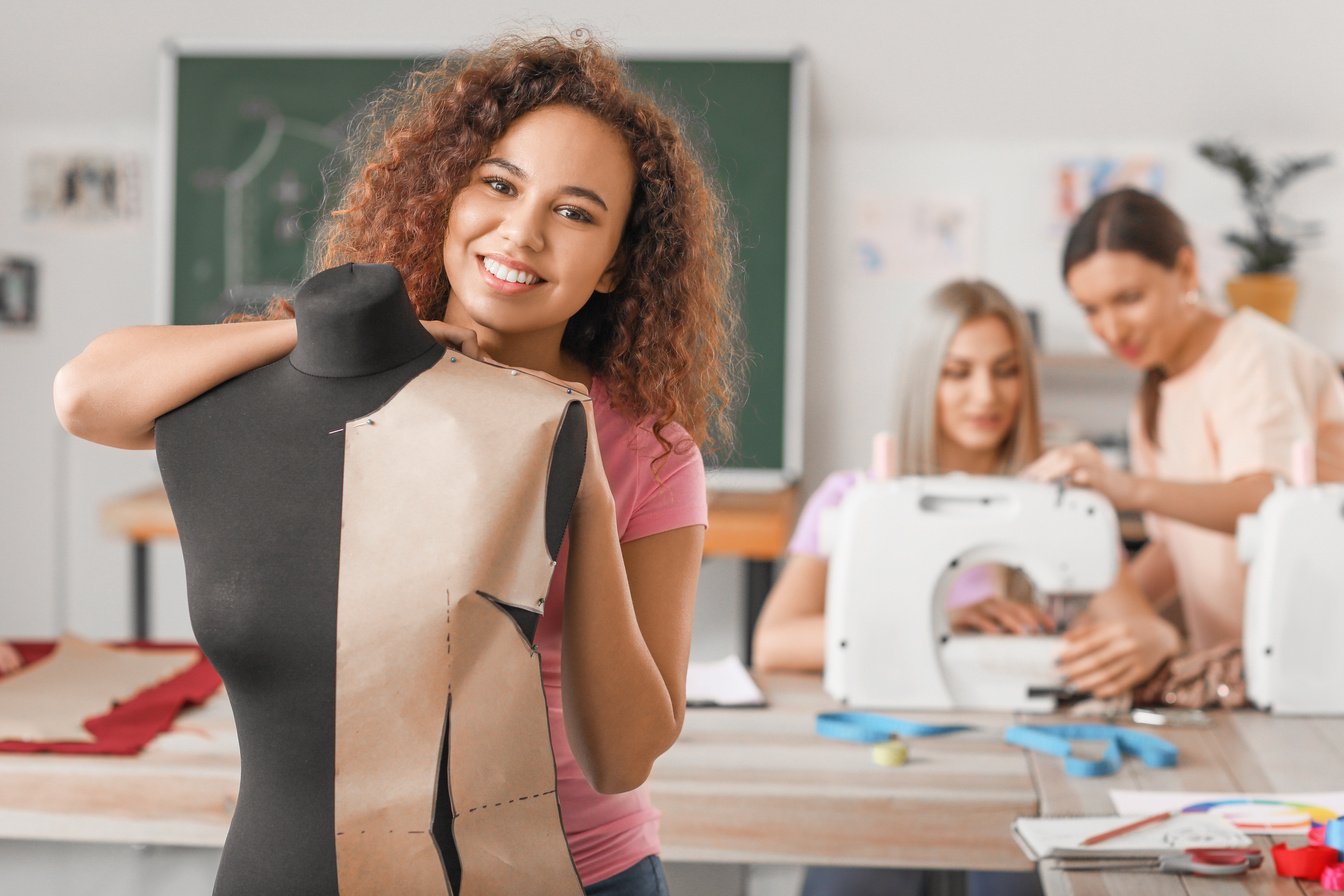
1059 838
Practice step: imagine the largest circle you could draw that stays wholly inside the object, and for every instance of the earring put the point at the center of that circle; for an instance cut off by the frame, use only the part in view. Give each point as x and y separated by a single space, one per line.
1192 297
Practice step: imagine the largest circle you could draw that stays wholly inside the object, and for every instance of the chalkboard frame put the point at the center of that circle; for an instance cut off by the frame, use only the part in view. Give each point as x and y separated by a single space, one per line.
727 478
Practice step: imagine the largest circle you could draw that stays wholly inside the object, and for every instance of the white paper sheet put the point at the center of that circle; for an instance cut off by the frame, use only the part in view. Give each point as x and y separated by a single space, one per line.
724 682
1062 837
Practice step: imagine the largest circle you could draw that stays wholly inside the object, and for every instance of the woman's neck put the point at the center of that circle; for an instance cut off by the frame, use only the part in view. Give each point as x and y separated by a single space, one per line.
538 350
356 320
954 458
1198 336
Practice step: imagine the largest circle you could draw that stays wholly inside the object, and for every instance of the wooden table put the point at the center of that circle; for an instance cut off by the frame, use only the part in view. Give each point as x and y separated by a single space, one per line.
752 786
748 785
760 786
754 526
1243 751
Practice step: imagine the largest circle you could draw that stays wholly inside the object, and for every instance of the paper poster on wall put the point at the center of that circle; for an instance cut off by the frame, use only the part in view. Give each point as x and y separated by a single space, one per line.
932 238
1078 181
83 187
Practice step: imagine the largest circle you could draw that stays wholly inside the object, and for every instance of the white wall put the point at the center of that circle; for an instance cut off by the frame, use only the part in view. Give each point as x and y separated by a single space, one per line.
964 98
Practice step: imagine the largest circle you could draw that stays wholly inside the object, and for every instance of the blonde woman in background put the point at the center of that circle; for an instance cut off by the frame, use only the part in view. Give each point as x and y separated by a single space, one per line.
967 403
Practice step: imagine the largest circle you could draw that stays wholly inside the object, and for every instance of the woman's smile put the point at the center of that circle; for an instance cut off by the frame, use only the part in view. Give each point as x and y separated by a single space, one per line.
505 275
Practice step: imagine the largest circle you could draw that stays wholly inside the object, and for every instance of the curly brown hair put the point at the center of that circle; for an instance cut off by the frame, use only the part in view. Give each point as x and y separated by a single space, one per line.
665 342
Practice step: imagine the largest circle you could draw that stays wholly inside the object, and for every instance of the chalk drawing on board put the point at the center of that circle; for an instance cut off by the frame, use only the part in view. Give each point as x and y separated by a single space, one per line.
264 199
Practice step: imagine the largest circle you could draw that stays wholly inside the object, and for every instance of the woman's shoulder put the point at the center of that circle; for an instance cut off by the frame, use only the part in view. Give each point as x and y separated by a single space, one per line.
1253 342
835 486
624 437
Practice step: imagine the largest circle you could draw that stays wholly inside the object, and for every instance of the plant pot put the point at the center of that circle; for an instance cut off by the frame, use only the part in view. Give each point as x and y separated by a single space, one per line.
1270 294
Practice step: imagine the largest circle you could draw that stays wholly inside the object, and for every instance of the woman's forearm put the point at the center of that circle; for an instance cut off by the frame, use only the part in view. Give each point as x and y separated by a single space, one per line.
790 645
623 675
791 631
114 390
1211 505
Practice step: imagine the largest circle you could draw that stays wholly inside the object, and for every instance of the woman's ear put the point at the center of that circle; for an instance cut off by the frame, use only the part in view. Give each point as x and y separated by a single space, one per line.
612 276
1187 267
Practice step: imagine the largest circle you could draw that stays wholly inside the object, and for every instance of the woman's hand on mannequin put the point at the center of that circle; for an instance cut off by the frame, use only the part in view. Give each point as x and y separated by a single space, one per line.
1109 657
1082 464
461 339
114 390
998 615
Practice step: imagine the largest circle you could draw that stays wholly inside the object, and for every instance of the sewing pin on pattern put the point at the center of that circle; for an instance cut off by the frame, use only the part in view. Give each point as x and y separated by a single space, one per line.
366 422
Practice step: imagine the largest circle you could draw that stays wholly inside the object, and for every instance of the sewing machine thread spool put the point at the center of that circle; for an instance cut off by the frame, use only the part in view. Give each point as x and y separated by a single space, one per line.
884 456
891 752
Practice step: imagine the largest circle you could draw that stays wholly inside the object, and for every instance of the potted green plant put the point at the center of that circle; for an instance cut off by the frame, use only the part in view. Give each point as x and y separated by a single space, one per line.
1268 250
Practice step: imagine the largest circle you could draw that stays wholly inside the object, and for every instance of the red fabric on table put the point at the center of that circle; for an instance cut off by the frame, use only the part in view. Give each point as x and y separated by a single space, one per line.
128 727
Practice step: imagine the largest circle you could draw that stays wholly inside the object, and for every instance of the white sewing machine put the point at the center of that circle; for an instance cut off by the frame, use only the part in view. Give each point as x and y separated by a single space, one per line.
895 547
1293 629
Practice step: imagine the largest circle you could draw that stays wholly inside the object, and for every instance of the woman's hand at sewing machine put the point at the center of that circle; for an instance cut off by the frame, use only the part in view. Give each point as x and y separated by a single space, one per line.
1118 643
998 615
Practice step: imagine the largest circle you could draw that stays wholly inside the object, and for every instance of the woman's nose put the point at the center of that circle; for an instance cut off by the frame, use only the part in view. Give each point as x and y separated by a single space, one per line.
522 226
1106 326
982 386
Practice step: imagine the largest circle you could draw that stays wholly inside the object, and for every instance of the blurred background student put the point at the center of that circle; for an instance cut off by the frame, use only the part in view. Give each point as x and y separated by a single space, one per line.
967 403
1223 404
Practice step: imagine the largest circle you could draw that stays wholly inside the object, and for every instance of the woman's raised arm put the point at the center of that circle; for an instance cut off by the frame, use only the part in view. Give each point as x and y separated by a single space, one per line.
114 390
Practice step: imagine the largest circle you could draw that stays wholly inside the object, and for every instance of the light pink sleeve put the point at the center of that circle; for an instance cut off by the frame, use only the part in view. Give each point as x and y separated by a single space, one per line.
807 534
1257 408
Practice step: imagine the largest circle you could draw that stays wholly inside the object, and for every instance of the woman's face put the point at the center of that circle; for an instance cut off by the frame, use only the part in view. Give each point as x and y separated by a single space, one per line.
1134 305
536 230
980 389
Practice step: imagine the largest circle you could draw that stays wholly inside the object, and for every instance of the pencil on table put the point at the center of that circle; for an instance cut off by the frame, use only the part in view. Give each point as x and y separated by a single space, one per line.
1132 826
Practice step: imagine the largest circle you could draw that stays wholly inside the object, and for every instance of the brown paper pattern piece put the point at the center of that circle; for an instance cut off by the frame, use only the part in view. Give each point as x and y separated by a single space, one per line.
501 769
444 494
50 700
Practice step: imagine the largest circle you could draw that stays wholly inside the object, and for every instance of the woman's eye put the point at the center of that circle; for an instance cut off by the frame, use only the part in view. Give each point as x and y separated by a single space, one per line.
955 374
575 214
498 184
1007 373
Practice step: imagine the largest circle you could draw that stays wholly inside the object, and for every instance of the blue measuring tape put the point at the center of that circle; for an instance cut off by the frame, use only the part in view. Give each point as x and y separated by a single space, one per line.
1057 740
870 728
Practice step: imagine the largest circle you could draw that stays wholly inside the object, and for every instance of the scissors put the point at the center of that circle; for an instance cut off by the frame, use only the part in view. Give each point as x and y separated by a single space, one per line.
1199 862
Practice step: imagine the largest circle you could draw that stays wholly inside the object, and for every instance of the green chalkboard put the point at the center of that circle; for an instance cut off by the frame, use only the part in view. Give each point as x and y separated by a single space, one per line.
253 134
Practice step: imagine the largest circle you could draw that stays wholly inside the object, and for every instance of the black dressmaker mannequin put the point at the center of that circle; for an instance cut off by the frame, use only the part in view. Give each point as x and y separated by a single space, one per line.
253 470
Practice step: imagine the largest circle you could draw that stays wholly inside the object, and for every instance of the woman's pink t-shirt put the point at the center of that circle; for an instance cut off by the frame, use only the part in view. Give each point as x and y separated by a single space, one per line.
608 833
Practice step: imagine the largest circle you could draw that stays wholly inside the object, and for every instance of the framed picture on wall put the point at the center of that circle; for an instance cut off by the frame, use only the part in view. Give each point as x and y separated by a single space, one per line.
18 292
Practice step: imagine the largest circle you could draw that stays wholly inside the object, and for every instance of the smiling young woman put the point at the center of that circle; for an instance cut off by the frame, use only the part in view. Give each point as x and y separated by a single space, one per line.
543 211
